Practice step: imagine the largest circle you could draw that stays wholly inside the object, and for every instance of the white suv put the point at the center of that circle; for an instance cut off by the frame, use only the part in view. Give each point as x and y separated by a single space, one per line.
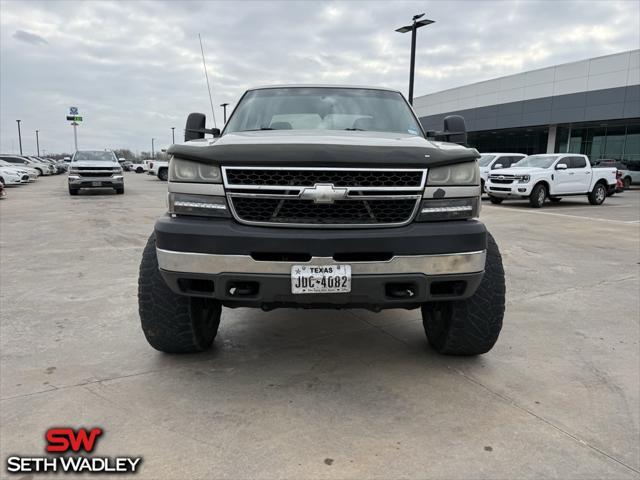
495 161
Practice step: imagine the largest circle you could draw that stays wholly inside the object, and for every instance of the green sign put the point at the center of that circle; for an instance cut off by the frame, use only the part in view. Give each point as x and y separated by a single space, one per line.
73 118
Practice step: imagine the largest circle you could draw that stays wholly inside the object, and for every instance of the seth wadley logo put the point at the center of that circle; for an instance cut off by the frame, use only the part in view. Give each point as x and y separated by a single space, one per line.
67 440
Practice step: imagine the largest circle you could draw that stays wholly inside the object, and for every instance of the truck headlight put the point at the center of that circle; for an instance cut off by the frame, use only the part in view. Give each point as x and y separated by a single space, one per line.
200 205
187 171
466 173
448 209
524 179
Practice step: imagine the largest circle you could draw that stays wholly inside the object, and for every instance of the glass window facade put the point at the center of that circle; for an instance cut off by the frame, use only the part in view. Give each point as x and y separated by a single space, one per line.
615 141
513 140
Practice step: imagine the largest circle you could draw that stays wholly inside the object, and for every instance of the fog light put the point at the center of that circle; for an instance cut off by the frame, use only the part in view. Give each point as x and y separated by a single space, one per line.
448 209
202 205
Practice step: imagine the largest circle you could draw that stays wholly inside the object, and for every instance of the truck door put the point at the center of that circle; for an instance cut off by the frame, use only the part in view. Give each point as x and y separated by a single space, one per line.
563 179
581 180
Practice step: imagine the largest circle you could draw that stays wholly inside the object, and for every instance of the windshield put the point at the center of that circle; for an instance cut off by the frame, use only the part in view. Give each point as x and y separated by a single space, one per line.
96 155
536 161
485 160
313 108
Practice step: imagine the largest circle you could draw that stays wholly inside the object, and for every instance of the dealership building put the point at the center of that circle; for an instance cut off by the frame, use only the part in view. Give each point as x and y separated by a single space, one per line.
590 107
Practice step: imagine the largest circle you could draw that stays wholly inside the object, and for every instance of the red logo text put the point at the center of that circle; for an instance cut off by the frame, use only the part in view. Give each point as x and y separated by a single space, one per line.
65 439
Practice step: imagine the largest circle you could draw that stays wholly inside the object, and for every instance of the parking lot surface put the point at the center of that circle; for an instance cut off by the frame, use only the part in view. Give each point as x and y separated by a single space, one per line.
324 394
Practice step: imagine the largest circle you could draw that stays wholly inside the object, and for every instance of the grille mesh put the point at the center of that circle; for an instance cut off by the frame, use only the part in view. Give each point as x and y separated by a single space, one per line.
350 212
308 178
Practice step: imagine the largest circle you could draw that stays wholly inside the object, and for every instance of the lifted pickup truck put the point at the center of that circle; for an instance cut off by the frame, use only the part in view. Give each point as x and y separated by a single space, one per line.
551 176
322 197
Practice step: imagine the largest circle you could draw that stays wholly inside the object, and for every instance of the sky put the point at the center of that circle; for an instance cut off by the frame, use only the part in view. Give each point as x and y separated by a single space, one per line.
134 68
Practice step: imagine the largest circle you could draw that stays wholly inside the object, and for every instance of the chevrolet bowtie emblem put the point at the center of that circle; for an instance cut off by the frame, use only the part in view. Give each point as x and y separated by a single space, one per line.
323 193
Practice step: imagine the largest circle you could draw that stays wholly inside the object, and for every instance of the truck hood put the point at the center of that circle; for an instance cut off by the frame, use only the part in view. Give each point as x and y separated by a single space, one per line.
518 171
314 147
94 163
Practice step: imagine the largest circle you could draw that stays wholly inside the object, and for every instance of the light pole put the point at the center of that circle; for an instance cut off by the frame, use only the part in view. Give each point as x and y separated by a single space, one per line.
413 28
224 108
19 136
37 143
153 154
75 135
173 134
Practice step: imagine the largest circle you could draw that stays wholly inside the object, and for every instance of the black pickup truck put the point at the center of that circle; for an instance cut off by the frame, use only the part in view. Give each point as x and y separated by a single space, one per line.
322 197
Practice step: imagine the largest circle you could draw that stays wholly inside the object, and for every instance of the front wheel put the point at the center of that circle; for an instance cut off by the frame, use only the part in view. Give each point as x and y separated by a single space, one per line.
139 170
471 326
538 196
495 200
626 183
173 323
120 191
597 195
163 174
73 191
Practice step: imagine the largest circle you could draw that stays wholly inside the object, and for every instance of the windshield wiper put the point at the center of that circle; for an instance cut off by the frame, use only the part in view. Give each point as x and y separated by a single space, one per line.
355 129
257 129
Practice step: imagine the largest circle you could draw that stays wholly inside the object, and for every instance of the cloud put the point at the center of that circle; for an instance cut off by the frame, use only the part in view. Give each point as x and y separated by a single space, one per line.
134 67
31 38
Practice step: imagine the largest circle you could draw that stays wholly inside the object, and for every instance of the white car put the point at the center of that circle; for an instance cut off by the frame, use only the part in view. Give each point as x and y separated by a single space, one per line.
160 169
139 167
8 176
551 176
495 161
32 173
21 161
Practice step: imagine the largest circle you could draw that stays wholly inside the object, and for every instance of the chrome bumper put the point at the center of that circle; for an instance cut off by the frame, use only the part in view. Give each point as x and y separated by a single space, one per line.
204 263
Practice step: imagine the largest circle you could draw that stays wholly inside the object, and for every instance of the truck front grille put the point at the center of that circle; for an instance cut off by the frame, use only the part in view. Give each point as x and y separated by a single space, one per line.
96 171
323 197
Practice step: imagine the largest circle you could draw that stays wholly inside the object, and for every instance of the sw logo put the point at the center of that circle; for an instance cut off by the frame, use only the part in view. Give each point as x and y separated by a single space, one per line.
68 443
65 439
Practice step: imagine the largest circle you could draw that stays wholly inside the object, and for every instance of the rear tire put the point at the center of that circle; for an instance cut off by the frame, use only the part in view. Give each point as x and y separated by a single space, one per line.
626 183
598 194
471 326
139 170
173 323
495 200
538 196
163 174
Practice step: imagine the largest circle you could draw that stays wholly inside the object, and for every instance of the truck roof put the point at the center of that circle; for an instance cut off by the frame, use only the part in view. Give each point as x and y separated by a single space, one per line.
365 87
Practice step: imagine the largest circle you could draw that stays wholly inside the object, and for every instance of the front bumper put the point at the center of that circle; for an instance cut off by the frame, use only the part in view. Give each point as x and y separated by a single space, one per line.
512 190
12 180
212 258
90 182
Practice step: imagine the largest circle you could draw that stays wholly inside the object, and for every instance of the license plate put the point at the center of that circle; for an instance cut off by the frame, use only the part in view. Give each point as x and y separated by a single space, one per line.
320 279
96 184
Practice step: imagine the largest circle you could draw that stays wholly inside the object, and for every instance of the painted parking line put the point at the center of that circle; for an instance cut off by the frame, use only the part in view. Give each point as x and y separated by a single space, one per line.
627 222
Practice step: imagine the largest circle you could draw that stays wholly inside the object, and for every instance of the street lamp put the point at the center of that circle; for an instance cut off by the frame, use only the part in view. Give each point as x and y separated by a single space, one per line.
224 107
19 136
412 28
37 142
153 154
173 134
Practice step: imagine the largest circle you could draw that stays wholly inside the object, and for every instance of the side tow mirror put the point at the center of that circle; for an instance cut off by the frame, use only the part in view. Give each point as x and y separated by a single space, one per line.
561 166
196 127
497 166
455 129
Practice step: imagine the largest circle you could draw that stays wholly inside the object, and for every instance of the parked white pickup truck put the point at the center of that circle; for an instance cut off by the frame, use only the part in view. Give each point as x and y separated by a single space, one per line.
551 176
159 168
495 161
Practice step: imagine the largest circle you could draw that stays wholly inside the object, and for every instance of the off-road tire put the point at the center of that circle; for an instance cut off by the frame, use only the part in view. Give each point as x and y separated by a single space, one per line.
163 174
73 191
538 196
626 183
139 170
495 200
120 191
471 326
598 194
173 323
